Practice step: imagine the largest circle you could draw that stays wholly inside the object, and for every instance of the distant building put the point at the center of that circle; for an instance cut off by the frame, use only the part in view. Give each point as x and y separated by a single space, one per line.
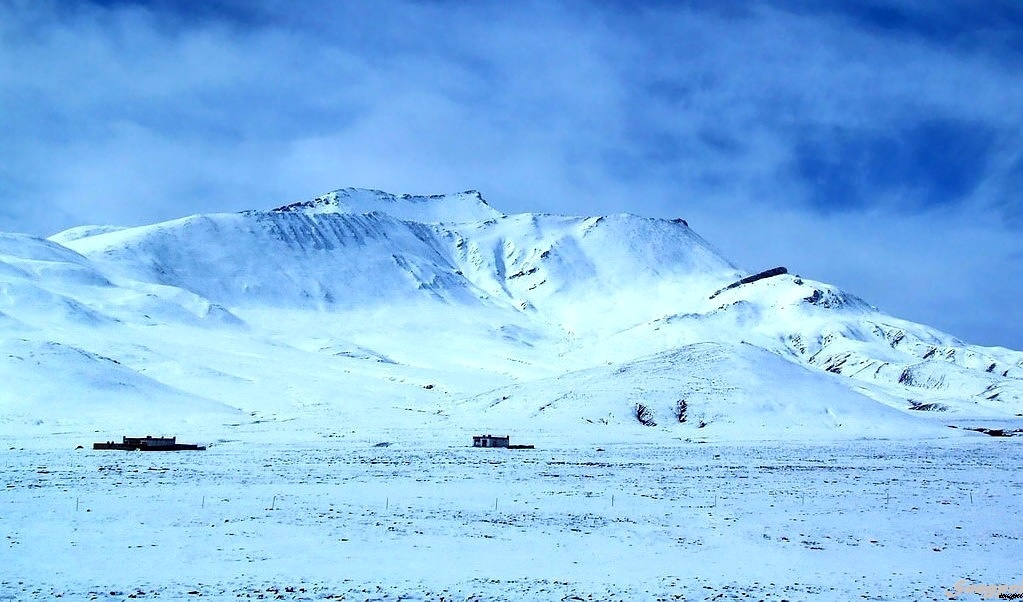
490 441
148 444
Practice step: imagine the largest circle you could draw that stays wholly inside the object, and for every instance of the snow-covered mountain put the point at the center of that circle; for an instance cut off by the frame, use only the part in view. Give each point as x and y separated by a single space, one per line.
359 311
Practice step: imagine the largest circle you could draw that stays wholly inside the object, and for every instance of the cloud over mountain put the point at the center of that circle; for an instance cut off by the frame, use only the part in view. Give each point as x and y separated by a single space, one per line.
883 128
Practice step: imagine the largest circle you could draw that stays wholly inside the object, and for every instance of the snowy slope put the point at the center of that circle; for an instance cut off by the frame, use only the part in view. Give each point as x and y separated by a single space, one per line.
364 312
287 259
57 310
64 387
841 334
735 391
52 288
591 275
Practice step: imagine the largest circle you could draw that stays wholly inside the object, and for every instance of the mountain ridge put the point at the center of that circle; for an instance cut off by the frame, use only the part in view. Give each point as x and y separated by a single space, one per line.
415 306
466 206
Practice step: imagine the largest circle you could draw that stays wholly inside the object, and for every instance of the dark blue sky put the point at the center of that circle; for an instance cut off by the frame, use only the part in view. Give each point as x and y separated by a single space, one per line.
874 145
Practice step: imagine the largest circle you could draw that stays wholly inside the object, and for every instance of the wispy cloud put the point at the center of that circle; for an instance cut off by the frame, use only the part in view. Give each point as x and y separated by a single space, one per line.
874 144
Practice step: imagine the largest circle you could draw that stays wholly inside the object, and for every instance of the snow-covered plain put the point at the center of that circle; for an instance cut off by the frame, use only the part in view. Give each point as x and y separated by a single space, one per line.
426 521
815 459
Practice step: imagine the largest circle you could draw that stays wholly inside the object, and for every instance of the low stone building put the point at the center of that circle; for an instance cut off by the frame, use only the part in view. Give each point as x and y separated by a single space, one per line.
490 441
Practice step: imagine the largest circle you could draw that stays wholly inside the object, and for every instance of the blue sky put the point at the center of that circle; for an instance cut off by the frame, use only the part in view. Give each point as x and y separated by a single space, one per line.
872 145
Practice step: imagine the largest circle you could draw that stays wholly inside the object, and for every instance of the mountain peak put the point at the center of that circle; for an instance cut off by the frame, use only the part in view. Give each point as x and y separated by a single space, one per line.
521 322
467 206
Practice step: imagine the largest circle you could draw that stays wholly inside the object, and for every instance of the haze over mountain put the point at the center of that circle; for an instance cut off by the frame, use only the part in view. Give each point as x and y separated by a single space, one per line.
359 312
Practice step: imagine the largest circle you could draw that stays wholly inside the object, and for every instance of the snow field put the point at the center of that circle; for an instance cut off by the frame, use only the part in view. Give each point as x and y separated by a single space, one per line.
296 340
881 520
